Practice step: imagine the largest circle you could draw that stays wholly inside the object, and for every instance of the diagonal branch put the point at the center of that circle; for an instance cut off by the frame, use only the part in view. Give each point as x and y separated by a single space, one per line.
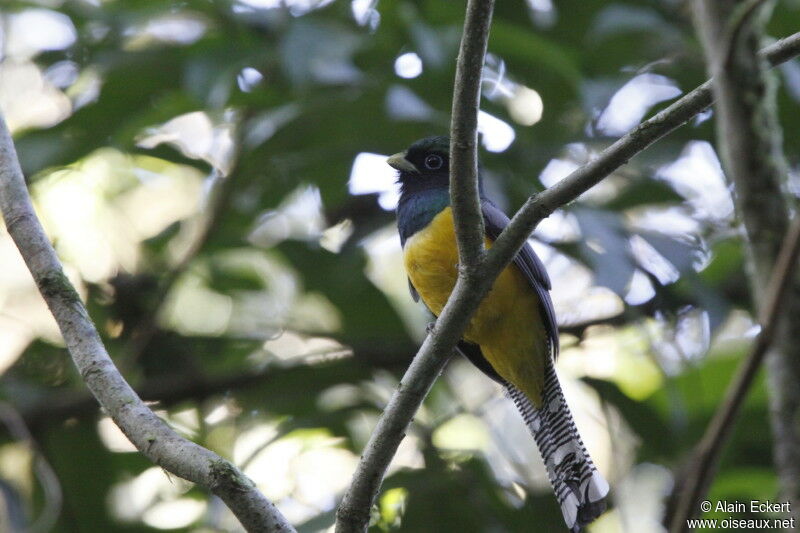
706 456
464 136
157 441
749 141
540 206
354 511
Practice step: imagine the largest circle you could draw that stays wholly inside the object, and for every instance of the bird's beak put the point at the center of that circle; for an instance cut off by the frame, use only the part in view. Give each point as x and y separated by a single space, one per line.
399 162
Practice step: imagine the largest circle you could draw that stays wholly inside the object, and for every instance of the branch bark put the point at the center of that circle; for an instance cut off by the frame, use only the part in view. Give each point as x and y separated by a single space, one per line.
749 139
464 194
540 206
703 464
157 441
354 511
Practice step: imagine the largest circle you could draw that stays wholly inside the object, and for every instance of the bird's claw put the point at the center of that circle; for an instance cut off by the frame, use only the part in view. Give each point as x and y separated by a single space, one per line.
430 327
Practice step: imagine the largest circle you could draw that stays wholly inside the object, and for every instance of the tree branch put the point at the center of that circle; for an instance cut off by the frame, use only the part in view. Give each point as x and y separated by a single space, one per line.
540 206
748 137
464 196
706 456
157 441
354 511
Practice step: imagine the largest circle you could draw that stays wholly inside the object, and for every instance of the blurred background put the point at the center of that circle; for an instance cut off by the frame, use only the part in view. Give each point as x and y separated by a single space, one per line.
213 175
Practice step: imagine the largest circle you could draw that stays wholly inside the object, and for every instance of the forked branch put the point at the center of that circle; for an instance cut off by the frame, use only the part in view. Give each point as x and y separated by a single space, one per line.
354 511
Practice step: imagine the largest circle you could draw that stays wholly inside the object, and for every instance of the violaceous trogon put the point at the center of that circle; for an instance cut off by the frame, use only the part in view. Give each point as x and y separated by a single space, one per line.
513 336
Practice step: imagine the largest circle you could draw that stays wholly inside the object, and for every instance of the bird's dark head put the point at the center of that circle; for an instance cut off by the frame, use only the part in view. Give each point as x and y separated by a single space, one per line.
424 166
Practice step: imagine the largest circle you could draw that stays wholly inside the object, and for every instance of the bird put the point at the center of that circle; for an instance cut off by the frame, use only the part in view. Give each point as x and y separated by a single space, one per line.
512 336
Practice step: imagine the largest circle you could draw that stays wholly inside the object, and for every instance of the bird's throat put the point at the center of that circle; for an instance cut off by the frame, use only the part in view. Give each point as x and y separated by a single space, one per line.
417 209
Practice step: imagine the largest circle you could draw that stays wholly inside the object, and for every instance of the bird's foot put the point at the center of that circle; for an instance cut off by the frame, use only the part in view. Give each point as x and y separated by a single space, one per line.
430 327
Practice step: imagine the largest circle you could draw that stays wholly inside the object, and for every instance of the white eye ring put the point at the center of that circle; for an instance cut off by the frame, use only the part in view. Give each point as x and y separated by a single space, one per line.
434 162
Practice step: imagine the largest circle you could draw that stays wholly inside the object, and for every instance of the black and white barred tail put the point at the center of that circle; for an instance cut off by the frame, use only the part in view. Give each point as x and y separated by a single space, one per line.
579 487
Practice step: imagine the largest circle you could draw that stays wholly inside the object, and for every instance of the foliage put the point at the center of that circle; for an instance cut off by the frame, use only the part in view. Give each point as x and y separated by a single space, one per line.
191 162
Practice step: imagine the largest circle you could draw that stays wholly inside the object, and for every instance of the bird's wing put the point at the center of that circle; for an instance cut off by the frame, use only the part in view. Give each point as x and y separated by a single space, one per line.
475 356
531 267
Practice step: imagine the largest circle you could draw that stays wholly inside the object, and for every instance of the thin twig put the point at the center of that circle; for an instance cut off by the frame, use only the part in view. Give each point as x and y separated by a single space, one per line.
749 142
707 453
353 513
540 206
464 136
145 430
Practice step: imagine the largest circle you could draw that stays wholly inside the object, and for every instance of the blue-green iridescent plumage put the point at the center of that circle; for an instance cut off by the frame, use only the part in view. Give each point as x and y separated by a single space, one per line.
416 211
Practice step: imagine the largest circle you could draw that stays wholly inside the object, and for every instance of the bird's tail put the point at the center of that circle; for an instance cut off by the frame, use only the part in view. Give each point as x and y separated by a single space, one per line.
579 487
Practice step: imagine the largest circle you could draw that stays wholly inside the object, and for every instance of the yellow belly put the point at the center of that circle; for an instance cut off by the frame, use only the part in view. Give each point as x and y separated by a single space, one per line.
507 325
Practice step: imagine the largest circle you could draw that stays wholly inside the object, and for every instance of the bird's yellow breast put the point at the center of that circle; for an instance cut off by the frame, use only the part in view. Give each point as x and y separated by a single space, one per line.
507 325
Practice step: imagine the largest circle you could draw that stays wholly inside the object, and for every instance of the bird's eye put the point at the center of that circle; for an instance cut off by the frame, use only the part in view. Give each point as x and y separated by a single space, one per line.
434 162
